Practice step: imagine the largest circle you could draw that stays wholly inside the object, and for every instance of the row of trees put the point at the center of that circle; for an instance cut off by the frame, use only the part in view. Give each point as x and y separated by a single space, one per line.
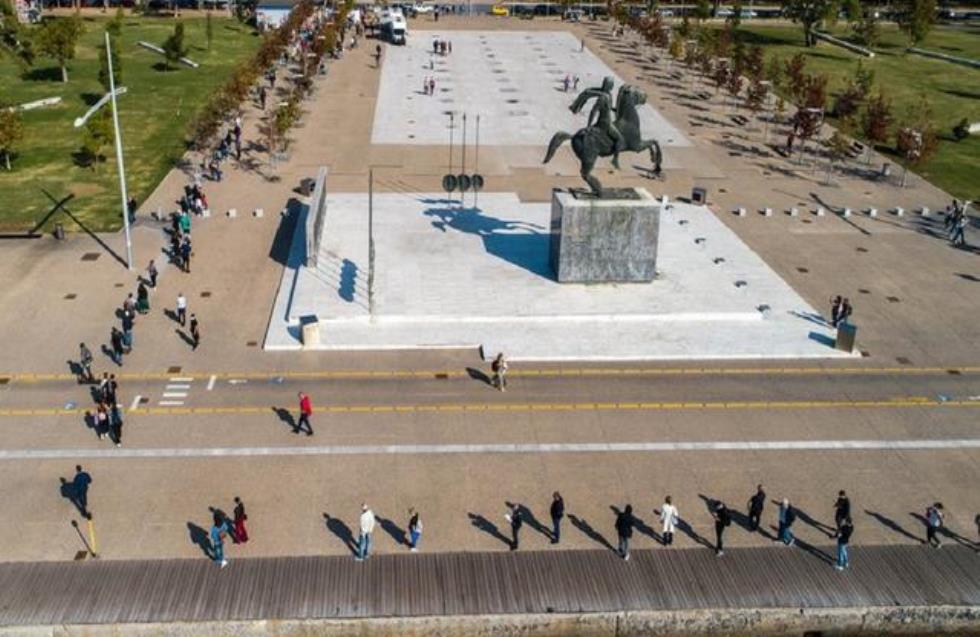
860 110
914 17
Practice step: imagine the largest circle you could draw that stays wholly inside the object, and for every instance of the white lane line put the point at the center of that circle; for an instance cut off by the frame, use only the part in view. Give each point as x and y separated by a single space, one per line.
177 379
175 394
764 445
170 403
211 382
136 402
177 386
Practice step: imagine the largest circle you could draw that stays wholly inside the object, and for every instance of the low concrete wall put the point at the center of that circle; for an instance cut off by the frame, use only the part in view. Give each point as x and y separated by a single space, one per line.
850 621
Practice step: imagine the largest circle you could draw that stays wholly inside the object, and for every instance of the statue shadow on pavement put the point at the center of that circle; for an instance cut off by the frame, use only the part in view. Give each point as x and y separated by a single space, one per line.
518 242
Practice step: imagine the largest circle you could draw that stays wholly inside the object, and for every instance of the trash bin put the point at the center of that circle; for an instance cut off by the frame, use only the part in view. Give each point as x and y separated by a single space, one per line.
59 231
699 196
846 334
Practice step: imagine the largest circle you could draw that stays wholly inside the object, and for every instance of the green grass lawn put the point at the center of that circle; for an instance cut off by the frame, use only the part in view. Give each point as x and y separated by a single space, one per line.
953 90
153 116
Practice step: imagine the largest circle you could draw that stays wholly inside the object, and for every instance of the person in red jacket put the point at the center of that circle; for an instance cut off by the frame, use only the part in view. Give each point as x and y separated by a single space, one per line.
305 411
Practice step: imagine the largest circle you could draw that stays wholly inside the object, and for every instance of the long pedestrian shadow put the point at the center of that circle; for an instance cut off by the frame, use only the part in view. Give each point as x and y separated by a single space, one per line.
391 528
339 528
738 517
944 531
894 526
814 551
478 375
640 526
200 537
184 337
286 417
488 527
531 521
590 532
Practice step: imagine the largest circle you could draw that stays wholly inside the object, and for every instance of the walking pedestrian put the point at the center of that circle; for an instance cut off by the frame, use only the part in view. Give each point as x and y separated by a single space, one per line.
842 510
668 520
723 520
624 531
195 332
557 513
566 82
102 420
414 530
185 222
835 310
116 341
367 528
499 369
843 539
151 272
575 81
516 522
934 521
181 309
218 530
240 534
79 487
845 311
756 505
116 424
142 299
581 46
127 333
432 86
305 411
959 230
129 305
262 97
85 364
185 254
787 515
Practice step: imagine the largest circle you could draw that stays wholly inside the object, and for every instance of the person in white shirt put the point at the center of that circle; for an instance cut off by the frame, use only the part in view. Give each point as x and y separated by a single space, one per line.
181 308
367 528
668 520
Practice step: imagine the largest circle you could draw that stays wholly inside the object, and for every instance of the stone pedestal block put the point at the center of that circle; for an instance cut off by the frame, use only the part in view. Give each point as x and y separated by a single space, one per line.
604 240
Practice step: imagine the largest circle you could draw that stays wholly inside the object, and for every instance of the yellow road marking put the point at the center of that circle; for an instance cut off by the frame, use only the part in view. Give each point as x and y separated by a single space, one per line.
897 402
583 372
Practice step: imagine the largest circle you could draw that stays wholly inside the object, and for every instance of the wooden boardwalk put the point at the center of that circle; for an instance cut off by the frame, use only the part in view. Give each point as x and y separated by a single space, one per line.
559 581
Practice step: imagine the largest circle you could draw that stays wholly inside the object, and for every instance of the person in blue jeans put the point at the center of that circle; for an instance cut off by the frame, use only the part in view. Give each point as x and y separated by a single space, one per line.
843 538
367 528
414 530
218 530
787 515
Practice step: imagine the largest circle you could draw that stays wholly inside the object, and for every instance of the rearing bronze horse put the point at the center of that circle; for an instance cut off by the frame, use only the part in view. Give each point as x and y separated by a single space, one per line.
591 143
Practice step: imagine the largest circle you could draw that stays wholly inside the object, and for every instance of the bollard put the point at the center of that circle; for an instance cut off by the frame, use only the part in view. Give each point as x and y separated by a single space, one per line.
232 213
258 212
924 211
821 212
794 212
767 212
872 212
59 231
899 212
846 213
740 211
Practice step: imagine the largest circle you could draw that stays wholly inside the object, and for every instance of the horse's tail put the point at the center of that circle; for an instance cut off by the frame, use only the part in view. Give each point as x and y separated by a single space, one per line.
556 141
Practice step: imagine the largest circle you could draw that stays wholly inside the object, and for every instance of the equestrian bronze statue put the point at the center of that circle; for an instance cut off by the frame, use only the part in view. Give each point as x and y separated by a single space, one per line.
604 136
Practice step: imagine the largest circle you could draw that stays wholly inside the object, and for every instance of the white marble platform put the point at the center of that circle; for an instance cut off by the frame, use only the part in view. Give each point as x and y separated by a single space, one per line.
451 276
511 79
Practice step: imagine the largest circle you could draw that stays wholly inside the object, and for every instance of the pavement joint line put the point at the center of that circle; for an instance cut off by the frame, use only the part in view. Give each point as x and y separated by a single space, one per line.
531 372
495 448
174 407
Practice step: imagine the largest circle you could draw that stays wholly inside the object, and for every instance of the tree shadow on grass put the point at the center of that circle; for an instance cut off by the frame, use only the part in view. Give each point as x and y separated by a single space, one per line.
46 74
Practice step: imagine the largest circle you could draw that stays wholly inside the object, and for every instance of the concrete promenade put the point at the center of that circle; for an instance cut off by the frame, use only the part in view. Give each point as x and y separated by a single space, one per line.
763 588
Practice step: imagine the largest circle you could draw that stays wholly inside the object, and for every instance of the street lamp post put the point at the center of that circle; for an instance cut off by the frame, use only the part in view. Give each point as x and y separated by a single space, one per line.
80 121
119 156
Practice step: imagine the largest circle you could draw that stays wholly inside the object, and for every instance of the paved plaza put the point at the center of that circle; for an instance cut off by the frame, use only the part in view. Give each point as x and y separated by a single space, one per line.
454 275
686 386
512 80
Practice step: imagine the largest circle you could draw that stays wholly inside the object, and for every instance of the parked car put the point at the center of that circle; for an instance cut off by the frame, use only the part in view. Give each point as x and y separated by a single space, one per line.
499 10
573 15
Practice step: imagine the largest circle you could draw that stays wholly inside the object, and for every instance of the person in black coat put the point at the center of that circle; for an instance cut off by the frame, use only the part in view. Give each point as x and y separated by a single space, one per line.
516 522
624 529
723 519
557 513
757 503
